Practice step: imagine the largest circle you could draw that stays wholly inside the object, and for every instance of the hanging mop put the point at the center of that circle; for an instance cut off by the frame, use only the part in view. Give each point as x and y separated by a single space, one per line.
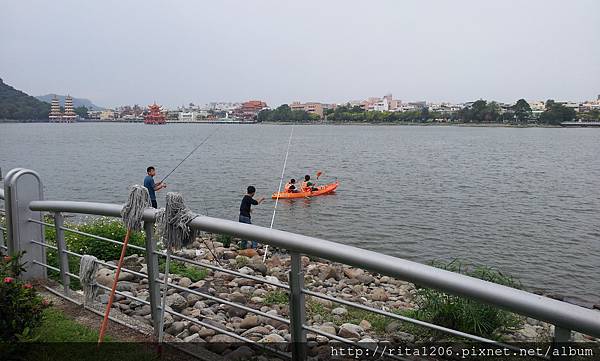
174 233
132 214
87 277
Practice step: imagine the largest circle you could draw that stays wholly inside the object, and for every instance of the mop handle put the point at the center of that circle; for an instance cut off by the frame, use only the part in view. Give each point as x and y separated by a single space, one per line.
114 288
161 333
192 152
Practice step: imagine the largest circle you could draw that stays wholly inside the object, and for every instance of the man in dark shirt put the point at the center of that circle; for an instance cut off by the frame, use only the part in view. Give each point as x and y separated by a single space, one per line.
245 210
151 186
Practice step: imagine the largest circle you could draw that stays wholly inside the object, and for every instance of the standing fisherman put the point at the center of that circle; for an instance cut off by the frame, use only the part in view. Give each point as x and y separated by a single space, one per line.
153 187
245 210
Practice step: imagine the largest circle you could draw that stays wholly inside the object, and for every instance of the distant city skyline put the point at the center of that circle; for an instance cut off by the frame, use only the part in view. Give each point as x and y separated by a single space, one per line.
118 53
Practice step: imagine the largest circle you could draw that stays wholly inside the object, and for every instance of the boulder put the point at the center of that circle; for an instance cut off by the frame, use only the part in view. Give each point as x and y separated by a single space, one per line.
352 273
246 270
185 282
351 331
249 252
176 328
237 297
258 330
365 279
105 277
249 322
379 294
220 343
176 301
206 332
331 272
366 325
339 311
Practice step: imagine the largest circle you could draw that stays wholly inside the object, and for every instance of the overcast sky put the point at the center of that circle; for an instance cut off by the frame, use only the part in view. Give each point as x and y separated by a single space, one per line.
176 52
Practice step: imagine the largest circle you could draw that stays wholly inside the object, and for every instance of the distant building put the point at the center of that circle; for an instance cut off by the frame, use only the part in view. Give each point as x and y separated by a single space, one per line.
107 115
250 109
69 116
55 113
311 108
155 115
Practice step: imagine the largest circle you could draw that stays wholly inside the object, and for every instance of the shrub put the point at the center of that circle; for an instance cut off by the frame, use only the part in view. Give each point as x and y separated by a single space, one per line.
110 228
194 273
225 239
277 298
464 314
21 308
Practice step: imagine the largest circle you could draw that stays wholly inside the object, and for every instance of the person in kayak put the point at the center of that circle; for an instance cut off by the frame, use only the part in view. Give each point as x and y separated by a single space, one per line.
151 186
245 210
307 185
290 187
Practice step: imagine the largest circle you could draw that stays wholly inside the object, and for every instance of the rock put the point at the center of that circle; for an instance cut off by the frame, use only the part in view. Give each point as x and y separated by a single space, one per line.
236 312
194 328
206 332
143 311
224 276
246 289
258 330
272 279
185 282
339 311
105 277
596 306
176 301
367 340
249 252
200 305
349 330
144 269
228 254
379 294
353 272
220 343
322 301
127 286
365 279
404 337
192 338
237 297
183 334
366 325
133 262
195 285
241 353
176 328
257 300
192 299
529 332
392 327
246 270
277 340
331 272
327 329
244 282
259 267
249 322
126 276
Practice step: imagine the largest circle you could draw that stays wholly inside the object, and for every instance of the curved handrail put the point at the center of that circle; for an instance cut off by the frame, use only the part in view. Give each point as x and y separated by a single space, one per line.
561 314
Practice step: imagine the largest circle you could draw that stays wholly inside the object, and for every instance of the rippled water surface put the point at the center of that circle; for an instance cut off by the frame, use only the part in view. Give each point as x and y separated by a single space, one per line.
526 201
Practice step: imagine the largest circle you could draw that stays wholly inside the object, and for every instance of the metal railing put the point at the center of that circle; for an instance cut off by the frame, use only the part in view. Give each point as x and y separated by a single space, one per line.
564 316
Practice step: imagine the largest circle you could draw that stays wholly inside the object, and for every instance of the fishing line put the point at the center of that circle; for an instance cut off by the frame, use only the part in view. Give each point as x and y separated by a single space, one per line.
192 152
279 189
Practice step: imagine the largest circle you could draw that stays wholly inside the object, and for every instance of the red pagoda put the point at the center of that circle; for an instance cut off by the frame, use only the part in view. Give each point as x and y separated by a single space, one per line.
154 116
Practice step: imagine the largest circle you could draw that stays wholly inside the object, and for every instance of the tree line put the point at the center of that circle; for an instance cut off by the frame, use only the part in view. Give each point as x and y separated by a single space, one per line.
284 113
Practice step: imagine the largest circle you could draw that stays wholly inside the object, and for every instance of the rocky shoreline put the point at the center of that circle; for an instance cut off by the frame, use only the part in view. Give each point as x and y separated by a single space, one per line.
343 282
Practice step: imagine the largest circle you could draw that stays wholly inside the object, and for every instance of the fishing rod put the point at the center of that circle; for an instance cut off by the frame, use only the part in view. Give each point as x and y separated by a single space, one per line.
192 152
279 189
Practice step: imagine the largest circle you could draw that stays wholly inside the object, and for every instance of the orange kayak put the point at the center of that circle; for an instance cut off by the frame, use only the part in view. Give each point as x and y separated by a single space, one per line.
328 188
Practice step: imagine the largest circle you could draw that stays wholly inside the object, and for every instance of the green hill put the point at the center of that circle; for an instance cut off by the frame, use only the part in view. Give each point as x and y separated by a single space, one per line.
16 105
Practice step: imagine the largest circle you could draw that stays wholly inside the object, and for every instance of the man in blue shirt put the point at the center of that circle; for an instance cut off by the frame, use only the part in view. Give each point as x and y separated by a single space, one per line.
153 187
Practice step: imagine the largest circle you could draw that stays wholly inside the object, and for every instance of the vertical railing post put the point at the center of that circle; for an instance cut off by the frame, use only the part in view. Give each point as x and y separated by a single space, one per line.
561 337
63 258
297 309
22 186
152 267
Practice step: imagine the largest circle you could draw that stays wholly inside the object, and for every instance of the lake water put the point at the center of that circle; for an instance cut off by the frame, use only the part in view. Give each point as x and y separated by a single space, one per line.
523 200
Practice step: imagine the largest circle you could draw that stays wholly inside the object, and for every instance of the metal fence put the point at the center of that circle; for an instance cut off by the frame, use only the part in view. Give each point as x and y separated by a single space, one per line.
24 223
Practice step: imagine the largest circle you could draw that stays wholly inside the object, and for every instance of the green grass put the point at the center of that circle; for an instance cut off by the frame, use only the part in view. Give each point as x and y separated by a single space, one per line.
61 338
225 239
192 272
277 298
57 327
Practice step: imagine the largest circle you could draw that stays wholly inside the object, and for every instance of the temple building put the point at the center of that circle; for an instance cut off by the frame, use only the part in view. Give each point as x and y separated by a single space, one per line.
55 113
155 115
69 116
